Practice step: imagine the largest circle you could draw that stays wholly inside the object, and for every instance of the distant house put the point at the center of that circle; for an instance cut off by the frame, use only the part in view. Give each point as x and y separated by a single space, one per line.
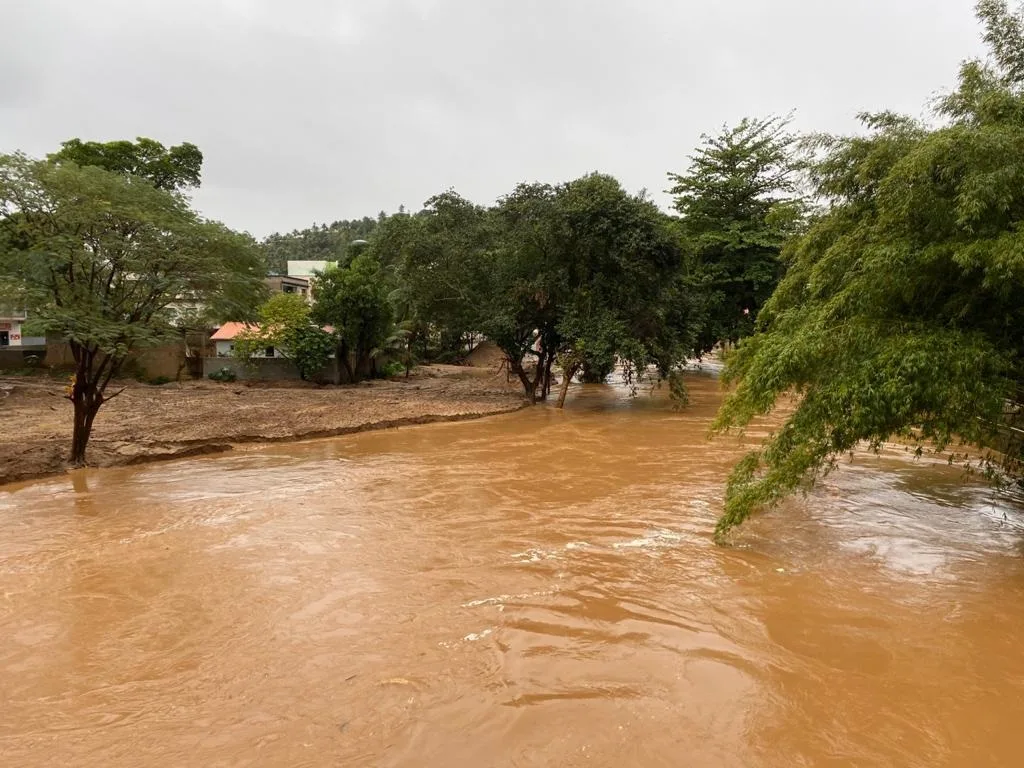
11 335
288 284
224 341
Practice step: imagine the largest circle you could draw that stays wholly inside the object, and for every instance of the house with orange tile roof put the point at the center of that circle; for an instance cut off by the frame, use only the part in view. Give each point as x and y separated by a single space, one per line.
224 340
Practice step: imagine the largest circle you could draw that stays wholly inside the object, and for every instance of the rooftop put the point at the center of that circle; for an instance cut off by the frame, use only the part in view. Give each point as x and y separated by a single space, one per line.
229 331
307 268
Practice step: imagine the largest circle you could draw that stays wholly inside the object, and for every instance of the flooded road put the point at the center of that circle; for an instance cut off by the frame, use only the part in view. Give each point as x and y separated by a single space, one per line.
537 589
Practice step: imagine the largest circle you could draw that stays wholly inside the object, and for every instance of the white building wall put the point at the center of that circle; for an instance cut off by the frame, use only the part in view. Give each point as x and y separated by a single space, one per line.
14 337
227 349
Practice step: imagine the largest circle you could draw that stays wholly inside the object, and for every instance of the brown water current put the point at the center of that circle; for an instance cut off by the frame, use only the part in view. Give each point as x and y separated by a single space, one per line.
535 589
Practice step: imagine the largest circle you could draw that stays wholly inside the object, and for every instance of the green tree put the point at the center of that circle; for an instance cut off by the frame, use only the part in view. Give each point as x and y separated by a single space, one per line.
105 261
522 284
285 323
738 202
171 168
354 299
620 255
436 258
902 311
400 345
174 169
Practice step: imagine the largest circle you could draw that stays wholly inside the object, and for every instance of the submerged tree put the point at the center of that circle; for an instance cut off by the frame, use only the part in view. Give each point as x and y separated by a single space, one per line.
619 257
902 311
578 275
104 260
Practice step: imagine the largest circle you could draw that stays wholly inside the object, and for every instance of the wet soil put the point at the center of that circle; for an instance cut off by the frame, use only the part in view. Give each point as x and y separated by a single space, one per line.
151 423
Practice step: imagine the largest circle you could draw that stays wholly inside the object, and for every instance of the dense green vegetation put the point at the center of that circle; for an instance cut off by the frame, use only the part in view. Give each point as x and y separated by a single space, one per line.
576 275
902 310
352 298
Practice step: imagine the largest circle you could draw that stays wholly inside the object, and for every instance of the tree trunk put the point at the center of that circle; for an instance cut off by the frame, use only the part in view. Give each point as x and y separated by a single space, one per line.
344 364
93 372
547 376
567 375
529 386
364 365
87 402
540 388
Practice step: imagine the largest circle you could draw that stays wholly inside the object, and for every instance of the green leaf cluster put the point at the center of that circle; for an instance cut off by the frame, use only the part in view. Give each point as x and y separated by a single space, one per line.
111 262
902 309
170 168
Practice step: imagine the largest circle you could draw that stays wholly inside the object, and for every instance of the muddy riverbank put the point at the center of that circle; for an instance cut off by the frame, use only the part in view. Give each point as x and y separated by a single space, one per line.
147 423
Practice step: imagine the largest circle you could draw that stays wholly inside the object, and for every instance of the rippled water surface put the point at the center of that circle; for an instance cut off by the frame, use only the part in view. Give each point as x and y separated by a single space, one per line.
536 589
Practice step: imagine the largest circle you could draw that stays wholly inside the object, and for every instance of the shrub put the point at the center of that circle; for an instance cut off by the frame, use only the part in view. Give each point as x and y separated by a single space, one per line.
160 380
393 368
225 374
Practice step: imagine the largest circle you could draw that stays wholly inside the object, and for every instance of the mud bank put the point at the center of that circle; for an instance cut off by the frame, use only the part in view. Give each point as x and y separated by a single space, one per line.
147 423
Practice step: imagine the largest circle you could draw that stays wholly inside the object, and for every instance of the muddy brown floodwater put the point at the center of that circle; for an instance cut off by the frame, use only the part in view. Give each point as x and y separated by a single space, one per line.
535 589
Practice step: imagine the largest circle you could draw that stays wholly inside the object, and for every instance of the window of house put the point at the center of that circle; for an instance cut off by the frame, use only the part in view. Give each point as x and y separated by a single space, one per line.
269 352
288 289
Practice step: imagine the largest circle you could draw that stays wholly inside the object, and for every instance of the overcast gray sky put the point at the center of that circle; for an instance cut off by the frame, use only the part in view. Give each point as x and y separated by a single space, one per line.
316 110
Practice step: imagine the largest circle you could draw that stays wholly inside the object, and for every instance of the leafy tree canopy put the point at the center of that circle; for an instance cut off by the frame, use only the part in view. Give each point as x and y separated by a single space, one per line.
354 299
436 261
582 273
902 310
739 204
171 168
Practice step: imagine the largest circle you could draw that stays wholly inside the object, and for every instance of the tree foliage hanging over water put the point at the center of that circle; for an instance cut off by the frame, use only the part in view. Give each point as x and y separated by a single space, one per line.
902 310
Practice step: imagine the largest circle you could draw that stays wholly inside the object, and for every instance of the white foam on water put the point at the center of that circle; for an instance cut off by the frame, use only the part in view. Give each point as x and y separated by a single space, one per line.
656 540
499 600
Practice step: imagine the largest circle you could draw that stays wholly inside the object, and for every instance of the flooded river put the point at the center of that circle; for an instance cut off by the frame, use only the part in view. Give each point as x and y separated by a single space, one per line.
536 589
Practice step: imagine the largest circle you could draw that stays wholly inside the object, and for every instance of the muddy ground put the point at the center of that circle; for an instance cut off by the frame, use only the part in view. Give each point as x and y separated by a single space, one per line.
149 423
